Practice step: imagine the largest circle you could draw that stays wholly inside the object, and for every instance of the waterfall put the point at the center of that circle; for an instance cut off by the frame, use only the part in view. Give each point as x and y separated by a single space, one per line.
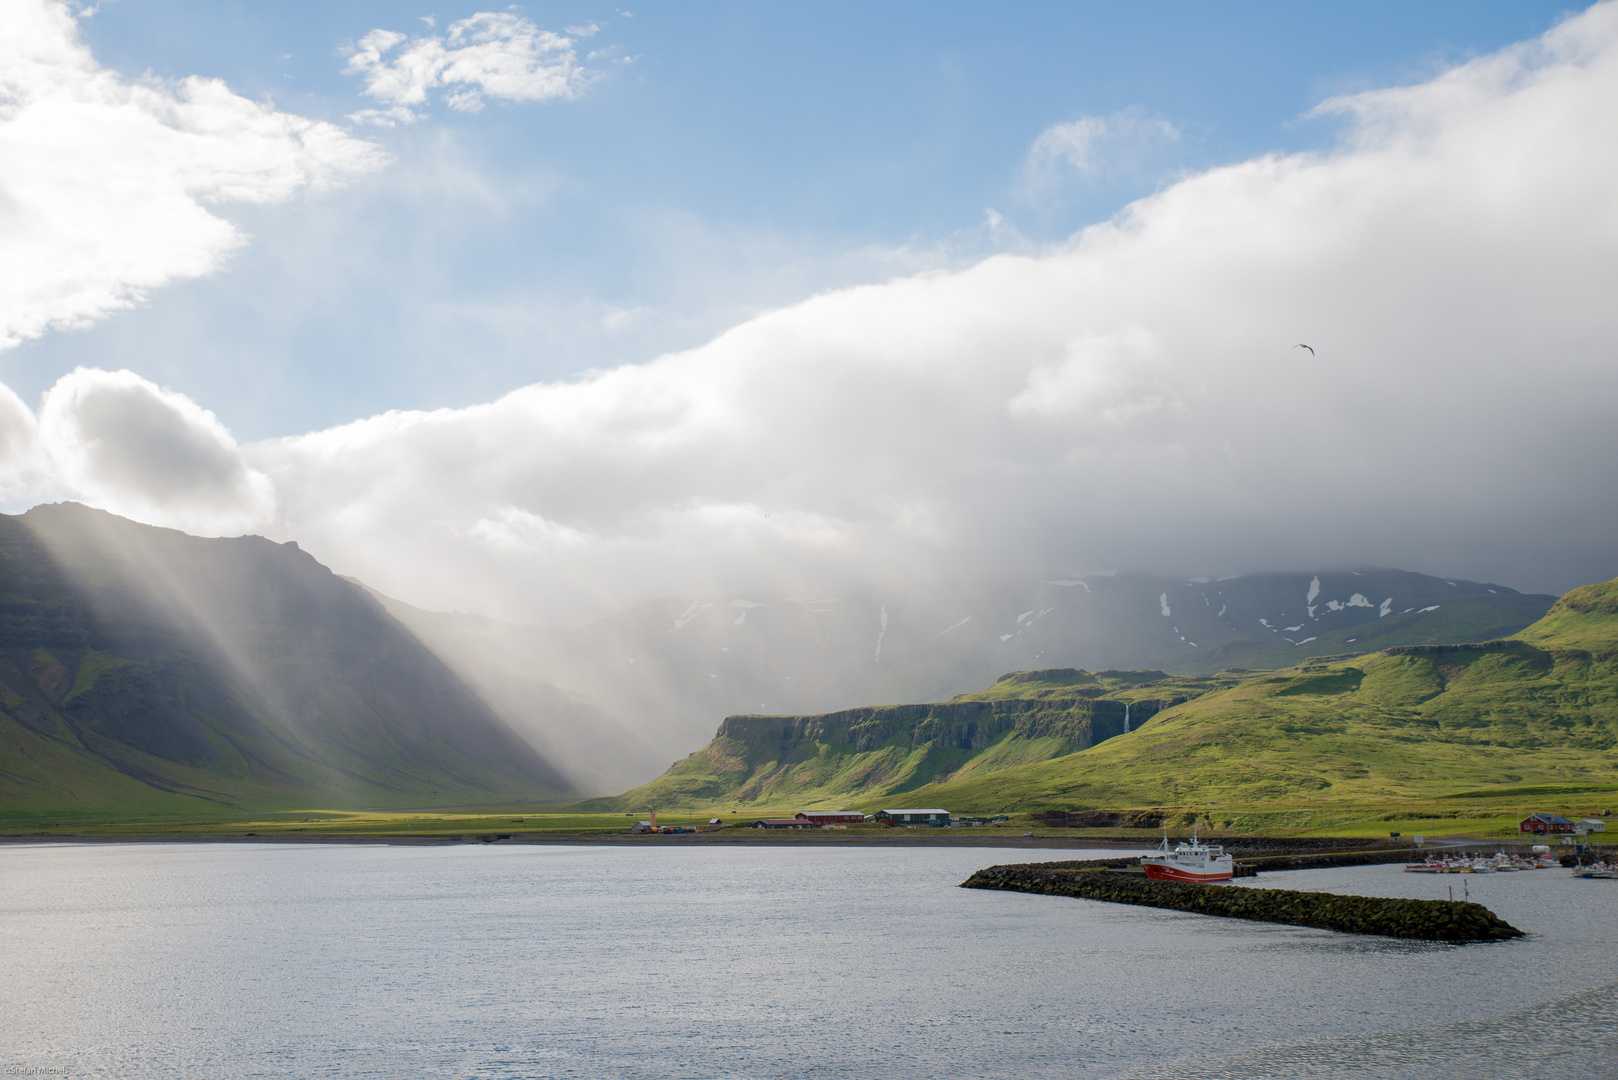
1126 718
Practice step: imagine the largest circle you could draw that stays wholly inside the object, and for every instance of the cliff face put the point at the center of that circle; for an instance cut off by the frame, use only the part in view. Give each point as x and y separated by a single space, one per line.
144 668
970 726
877 753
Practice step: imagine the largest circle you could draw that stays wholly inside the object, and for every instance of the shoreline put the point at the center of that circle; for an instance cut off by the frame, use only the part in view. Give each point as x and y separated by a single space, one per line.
610 840
1247 848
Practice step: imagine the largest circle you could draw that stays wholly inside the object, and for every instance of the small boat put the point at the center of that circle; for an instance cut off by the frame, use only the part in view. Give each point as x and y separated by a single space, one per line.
1191 861
1596 870
1433 865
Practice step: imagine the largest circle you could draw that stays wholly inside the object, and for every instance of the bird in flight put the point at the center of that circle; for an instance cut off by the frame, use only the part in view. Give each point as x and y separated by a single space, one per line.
1303 346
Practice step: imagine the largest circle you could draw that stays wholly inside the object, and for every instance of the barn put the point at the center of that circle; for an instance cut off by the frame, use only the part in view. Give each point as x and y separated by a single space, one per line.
821 818
912 817
779 823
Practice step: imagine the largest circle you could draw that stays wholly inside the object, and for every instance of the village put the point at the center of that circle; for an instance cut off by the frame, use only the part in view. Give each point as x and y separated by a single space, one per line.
906 818
1536 824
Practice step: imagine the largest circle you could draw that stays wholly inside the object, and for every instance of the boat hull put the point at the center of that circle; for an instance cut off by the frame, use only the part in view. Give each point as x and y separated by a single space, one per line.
1159 872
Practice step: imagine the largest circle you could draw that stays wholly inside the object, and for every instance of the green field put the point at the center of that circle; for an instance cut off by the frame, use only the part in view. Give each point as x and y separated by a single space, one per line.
1475 815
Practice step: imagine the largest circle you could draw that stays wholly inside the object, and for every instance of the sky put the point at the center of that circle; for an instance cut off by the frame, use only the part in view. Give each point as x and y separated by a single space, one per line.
546 310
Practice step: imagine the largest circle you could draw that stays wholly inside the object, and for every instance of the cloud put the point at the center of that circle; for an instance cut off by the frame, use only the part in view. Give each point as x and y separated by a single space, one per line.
1110 378
106 183
491 54
1130 398
122 443
18 432
1094 144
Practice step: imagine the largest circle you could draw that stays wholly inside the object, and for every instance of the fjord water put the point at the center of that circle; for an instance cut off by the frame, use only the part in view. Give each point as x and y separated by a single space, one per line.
222 960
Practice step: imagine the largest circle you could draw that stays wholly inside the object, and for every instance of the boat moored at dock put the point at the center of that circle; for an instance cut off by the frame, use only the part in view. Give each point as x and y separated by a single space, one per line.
1191 861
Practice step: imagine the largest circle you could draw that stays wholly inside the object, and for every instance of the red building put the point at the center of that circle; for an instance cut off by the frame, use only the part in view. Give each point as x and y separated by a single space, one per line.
1541 824
821 818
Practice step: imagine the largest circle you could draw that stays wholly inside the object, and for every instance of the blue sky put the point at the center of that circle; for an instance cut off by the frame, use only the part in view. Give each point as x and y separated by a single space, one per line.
744 157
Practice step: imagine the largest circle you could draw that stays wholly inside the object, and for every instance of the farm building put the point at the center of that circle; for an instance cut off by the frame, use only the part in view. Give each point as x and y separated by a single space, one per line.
779 823
1540 824
1591 825
821 818
912 817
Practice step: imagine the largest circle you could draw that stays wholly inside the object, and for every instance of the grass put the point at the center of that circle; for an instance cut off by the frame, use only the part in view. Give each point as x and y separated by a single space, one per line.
1489 819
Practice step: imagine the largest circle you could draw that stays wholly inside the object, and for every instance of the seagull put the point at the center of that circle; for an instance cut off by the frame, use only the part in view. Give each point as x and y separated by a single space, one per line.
1302 346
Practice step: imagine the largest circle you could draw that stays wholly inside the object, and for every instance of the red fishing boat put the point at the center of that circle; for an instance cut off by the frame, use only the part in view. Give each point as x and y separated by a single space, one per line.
1191 861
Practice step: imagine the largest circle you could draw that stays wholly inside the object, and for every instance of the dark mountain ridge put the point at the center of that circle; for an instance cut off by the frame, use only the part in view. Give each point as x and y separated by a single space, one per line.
144 667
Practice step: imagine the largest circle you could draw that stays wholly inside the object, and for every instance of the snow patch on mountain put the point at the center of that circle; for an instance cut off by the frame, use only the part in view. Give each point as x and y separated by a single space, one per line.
690 613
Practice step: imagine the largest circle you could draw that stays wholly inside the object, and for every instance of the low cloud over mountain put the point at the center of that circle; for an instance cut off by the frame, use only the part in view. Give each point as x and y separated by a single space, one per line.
1133 397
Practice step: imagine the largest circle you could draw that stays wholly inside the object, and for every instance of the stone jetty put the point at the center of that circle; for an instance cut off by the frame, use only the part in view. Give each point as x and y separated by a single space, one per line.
1426 920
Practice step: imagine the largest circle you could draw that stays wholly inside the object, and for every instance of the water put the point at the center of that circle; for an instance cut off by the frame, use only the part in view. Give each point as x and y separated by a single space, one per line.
214 960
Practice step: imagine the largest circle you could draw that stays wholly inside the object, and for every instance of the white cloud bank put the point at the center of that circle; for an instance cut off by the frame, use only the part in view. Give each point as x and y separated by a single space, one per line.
105 182
1132 398
490 54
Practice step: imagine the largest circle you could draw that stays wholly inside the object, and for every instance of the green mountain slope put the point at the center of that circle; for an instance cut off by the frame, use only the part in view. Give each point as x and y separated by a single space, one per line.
1412 721
885 751
146 671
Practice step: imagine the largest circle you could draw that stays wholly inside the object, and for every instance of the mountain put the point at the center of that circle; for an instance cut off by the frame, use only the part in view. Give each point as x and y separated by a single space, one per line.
142 669
855 755
618 699
599 751
1408 721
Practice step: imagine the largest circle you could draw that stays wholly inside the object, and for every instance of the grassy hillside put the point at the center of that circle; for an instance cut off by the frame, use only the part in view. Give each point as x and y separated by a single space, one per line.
887 751
146 672
1413 722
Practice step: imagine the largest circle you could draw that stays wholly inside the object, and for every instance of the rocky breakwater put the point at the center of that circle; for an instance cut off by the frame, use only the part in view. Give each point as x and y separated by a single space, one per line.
1427 920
